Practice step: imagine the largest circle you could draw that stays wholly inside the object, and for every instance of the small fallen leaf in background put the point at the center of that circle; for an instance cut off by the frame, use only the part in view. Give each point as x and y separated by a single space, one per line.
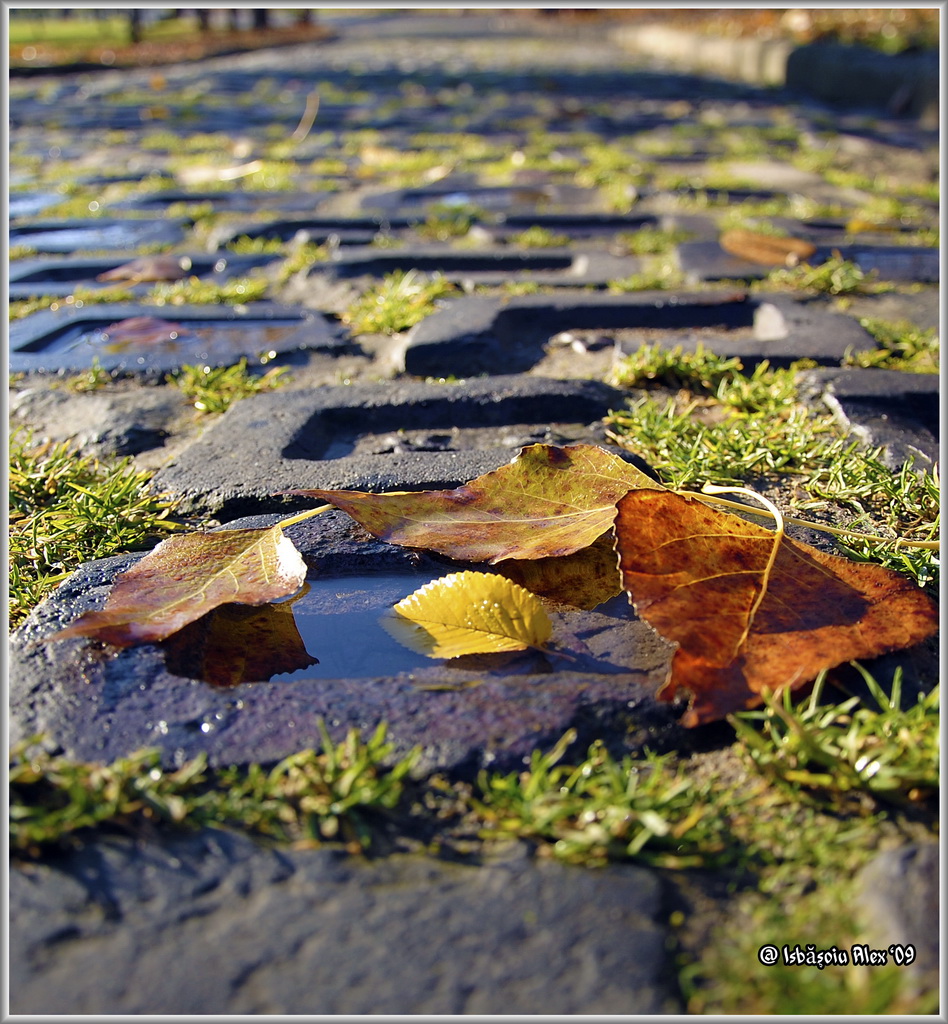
469 613
549 501
768 249
695 575
188 575
149 268
142 330
238 644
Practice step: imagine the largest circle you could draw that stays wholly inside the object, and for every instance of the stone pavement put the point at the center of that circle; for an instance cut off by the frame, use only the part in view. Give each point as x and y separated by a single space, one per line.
308 931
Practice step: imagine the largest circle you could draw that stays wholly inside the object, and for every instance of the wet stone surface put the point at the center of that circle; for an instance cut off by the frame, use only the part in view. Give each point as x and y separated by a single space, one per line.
329 438
71 339
97 703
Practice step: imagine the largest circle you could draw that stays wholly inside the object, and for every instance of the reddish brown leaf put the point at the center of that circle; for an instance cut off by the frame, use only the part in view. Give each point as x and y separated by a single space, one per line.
548 501
768 249
694 574
186 576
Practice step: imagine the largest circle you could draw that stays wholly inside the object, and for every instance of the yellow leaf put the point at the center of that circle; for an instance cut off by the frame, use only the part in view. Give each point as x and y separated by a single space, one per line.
469 613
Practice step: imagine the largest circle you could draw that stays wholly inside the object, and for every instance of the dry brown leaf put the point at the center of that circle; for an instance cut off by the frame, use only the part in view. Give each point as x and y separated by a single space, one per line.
695 574
768 249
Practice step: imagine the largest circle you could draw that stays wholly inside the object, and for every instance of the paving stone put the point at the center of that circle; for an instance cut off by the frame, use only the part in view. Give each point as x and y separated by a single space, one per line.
475 335
898 901
882 407
308 439
351 231
98 704
102 424
495 266
67 340
120 927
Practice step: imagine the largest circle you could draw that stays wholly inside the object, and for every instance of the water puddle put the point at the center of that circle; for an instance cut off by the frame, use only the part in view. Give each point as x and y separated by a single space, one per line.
331 630
188 340
28 204
125 235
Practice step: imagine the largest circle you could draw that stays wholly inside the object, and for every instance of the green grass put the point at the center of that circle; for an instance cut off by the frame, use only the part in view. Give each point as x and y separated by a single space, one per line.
214 390
537 237
648 241
66 509
834 277
902 346
80 297
445 221
306 796
401 300
86 31
235 291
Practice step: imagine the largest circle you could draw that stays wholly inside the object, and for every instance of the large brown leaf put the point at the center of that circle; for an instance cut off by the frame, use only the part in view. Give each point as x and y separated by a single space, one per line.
548 501
695 574
186 576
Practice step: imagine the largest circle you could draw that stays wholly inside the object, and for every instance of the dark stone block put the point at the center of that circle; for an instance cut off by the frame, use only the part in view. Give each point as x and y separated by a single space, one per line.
898 410
67 340
98 704
34 277
311 439
212 923
476 335
494 266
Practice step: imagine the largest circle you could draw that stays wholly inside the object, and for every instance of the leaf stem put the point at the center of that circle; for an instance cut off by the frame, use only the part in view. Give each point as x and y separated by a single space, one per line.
928 545
308 514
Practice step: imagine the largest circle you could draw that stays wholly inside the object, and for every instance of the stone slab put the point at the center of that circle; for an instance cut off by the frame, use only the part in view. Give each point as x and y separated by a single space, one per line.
898 410
476 334
319 229
307 439
97 703
64 340
899 894
487 266
211 923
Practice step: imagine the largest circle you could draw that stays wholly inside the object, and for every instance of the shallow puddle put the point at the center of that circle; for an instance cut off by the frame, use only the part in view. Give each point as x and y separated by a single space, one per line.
224 341
108 236
330 630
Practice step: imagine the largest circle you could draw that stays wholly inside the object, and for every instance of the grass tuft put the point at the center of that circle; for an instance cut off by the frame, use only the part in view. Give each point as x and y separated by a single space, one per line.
66 509
214 390
401 300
